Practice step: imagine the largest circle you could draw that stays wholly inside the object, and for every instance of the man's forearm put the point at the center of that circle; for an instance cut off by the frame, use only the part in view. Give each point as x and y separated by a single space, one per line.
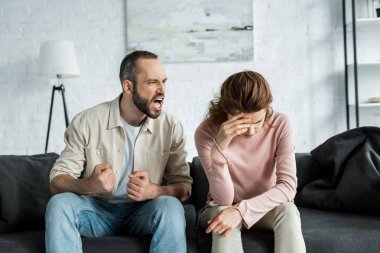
66 183
178 190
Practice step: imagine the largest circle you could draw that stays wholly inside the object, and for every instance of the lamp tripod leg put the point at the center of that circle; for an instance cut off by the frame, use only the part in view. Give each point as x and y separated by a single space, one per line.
62 89
51 110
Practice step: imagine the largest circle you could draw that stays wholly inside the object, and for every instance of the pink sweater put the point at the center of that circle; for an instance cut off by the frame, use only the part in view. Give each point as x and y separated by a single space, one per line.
257 173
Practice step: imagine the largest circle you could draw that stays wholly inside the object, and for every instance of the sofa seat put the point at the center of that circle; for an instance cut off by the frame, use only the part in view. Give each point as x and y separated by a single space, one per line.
20 242
34 241
327 231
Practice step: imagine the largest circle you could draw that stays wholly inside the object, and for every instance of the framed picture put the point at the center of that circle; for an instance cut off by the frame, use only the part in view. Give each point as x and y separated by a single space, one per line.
191 30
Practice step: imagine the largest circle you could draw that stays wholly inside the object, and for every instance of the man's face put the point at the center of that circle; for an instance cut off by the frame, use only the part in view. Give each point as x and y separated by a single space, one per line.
149 89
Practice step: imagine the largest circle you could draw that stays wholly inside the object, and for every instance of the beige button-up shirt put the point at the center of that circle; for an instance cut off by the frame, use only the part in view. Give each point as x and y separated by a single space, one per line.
97 136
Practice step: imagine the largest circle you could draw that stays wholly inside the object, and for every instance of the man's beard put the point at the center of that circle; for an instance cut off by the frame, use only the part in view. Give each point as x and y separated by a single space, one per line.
143 104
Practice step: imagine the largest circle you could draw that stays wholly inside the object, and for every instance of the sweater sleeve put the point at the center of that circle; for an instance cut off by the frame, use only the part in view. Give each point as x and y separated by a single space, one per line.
215 164
284 190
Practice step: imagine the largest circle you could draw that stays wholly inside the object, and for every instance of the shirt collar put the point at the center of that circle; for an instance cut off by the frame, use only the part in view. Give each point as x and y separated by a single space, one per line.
114 117
147 125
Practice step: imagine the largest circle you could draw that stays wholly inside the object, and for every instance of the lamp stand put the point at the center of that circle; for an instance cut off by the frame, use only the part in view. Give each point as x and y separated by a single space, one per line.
61 89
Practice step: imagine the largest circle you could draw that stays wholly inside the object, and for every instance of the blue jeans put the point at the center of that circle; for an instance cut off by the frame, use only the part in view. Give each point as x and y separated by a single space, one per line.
70 216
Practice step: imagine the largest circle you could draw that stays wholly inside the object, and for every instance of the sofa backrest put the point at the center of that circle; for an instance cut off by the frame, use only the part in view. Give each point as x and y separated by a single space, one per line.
24 191
200 184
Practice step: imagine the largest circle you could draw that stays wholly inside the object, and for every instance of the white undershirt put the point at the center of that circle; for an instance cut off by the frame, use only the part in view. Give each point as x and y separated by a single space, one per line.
131 133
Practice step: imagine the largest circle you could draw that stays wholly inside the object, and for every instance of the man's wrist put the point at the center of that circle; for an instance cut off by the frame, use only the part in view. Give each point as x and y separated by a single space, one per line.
156 191
85 187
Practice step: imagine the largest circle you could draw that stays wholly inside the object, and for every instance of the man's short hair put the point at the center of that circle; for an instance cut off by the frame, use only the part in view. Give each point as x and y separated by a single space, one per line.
128 67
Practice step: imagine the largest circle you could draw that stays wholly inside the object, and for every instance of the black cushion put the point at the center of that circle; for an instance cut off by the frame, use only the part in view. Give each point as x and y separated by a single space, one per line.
308 169
24 191
352 184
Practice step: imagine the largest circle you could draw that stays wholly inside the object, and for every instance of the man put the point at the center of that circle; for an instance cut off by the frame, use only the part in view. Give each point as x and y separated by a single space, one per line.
108 177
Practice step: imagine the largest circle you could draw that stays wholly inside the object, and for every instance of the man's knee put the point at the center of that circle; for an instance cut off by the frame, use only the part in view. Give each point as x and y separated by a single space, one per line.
60 203
170 210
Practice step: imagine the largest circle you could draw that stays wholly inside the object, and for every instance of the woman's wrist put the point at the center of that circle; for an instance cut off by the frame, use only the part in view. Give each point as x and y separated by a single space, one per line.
221 143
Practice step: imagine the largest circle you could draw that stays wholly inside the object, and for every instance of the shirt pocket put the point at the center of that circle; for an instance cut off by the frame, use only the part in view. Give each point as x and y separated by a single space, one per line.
94 156
157 161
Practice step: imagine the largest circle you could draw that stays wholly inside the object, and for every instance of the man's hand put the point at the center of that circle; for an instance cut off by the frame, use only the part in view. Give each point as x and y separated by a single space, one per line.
102 179
234 126
139 187
225 222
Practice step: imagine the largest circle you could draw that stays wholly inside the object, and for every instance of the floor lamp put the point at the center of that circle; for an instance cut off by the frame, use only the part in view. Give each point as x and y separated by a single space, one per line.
57 58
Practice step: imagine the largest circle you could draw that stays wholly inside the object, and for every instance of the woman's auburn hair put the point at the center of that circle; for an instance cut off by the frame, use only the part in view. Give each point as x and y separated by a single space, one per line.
246 91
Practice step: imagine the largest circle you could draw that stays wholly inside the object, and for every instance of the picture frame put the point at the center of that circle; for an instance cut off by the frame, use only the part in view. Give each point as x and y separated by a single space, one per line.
192 30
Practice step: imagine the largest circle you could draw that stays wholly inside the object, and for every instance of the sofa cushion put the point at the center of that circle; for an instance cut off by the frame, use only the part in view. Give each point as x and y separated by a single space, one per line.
328 231
24 191
308 170
352 160
23 242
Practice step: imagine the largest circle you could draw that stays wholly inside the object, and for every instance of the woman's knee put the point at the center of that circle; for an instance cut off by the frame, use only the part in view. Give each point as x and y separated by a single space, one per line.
287 209
214 211
210 213
286 213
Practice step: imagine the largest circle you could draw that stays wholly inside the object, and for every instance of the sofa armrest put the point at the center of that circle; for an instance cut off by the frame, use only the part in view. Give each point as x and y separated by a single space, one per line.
24 191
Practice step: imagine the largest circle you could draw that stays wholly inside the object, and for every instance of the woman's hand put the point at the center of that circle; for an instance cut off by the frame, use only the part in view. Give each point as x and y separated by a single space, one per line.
226 221
234 126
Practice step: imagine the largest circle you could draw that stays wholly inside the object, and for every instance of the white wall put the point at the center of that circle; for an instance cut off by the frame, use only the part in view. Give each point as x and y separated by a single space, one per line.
298 48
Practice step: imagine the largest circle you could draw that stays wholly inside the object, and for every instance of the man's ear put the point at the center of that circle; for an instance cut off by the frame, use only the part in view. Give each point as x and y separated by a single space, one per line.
127 87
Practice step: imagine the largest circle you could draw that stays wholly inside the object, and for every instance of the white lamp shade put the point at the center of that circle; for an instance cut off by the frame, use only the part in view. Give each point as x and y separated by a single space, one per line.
58 58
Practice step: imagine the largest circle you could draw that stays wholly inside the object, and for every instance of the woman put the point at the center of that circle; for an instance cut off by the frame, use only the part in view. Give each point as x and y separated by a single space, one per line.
247 152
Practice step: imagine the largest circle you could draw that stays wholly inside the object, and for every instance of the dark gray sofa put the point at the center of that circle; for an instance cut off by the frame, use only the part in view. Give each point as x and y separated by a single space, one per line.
24 192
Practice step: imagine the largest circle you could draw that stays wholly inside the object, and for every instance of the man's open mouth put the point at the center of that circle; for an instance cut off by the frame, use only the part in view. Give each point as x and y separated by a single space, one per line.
157 103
